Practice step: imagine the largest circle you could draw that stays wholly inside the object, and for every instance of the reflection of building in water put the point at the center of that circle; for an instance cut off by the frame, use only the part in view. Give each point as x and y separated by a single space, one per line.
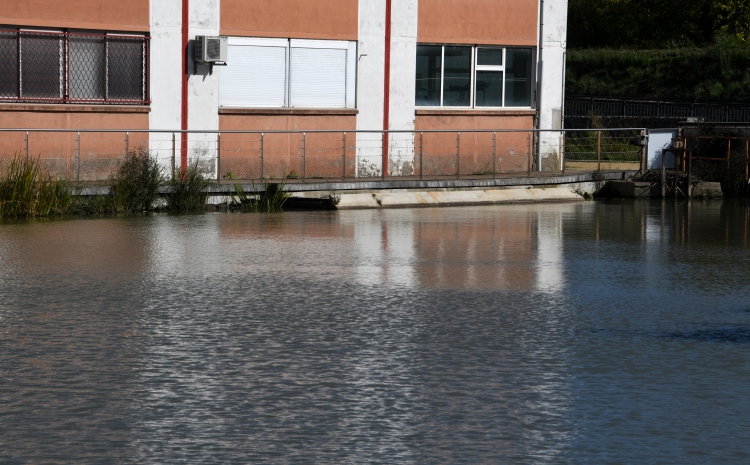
512 248
385 248
549 260
480 252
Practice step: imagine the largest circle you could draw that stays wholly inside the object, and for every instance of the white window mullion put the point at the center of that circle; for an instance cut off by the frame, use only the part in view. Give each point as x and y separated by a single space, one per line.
442 73
288 75
505 57
473 77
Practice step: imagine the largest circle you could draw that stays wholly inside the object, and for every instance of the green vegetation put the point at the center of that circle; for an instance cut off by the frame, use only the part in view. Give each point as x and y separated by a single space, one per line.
719 73
270 200
27 192
189 190
135 184
692 50
615 146
656 24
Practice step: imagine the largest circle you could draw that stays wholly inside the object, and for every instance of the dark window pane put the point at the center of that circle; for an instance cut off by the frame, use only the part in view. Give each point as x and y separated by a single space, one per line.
490 57
518 77
41 76
429 63
457 86
87 68
489 91
9 64
125 67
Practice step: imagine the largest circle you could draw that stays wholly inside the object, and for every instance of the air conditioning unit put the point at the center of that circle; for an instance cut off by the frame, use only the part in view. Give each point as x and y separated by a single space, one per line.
210 50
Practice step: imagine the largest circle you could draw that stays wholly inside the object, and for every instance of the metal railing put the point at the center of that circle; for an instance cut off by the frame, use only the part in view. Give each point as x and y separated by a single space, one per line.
62 67
584 107
303 156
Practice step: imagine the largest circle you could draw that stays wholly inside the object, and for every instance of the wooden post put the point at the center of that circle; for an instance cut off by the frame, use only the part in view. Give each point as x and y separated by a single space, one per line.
663 174
729 153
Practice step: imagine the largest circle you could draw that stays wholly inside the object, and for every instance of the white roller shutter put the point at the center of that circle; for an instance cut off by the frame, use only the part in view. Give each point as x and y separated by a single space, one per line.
318 77
255 77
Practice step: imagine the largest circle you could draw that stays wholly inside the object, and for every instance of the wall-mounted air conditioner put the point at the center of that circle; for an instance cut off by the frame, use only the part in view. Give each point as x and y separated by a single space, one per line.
211 50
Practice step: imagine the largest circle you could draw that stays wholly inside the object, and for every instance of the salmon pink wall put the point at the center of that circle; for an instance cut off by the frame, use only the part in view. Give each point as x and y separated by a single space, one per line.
479 22
106 15
308 19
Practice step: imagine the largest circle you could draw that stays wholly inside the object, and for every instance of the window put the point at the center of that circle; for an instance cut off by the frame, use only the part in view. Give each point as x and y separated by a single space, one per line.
473 77
58 67
283 73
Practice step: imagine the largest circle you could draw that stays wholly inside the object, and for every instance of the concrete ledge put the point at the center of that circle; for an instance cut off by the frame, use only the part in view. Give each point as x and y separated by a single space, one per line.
290 111
445 112
74 108
416 184
456 198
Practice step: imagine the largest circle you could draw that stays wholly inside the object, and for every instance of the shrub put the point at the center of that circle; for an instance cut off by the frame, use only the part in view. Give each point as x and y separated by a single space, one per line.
27 192
270 200
189 190
135 185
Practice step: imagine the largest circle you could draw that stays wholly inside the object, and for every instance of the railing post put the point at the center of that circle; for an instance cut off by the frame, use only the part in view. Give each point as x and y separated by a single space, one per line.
262 153
531 155
27 145
458 155
343 176
127 143
598 150
384 155
421 155
304 152
218 158
747 160
494 155
78 157
562 152
174 149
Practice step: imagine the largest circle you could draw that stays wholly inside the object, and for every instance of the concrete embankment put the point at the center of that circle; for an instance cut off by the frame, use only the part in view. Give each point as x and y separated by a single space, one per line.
400 193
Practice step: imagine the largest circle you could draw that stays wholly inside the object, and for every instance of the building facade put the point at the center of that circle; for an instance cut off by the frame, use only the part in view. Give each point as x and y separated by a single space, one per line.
368 65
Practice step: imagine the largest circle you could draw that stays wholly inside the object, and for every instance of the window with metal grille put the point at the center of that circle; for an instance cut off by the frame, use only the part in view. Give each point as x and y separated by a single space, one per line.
61 67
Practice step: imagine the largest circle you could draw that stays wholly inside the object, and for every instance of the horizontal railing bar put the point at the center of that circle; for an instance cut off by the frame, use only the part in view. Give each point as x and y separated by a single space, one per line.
318 131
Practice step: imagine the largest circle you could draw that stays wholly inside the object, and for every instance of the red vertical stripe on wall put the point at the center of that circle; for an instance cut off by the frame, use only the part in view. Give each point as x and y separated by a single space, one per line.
387 90
185 76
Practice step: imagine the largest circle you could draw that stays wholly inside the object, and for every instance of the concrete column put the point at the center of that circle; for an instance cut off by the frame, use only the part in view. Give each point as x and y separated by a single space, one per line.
203 85
165 75
370 85
403 78
553 43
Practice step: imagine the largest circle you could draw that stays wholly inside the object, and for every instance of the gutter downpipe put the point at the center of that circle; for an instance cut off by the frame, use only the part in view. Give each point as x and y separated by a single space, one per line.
540 79
387 84
185 76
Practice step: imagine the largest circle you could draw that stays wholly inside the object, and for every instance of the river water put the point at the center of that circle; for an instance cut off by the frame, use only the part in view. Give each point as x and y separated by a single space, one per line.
567 333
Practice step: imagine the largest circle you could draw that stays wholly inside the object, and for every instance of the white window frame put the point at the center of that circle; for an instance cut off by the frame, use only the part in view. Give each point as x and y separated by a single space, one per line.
474 69
289 44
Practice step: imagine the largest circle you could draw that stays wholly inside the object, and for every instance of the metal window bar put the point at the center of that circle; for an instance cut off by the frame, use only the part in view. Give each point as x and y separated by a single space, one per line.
62 67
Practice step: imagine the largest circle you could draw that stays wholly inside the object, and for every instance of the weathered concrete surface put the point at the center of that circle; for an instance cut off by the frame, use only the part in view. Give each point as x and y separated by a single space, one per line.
456 198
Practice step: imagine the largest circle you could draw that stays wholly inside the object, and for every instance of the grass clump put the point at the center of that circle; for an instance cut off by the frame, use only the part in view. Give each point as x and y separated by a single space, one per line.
135 184
270 200
189 191
27 192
